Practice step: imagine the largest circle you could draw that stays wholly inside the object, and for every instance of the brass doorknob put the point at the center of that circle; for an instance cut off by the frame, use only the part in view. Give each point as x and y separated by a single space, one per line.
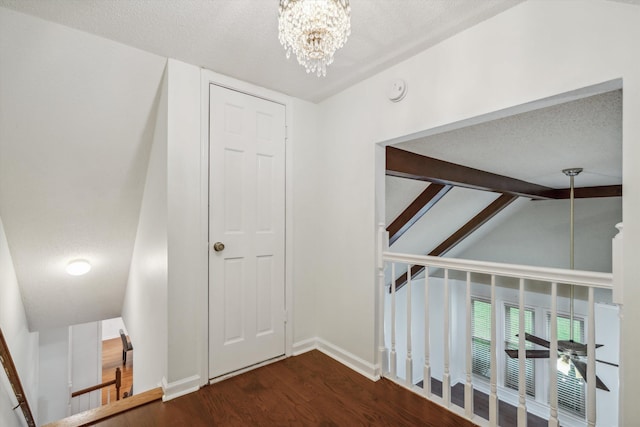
218 246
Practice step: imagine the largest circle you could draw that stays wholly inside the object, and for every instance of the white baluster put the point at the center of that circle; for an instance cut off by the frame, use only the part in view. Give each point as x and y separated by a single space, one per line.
617 261
522 377
426 382
591 363
468 387
108 395
409 362
446 376
394 366
383 238
493 395
382 350
553 358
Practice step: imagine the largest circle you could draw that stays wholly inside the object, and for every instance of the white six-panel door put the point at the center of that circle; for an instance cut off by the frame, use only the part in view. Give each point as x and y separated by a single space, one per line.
246 215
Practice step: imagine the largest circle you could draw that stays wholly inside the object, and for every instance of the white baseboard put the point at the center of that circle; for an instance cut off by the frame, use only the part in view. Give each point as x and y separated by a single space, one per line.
304 346
180 387
348 359
369 370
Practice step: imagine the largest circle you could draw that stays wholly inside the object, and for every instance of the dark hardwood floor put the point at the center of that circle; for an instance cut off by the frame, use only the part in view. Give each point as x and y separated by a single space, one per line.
507 414
307 390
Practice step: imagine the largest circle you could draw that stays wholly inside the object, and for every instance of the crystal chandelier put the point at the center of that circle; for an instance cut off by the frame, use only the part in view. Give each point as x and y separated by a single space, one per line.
314 30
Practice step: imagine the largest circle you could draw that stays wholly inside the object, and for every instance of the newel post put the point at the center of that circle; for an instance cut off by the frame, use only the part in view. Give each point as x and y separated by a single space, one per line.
616 266
118 382
383 244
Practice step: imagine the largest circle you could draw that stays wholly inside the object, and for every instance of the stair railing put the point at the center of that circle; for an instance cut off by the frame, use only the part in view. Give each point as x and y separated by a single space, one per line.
551 277
117 381
14 380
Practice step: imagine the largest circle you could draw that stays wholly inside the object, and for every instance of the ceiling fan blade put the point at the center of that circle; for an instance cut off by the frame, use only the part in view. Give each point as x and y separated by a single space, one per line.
536 340
529 354
607 363
581 367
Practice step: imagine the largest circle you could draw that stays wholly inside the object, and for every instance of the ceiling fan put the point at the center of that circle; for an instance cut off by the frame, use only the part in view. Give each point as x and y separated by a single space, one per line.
570 352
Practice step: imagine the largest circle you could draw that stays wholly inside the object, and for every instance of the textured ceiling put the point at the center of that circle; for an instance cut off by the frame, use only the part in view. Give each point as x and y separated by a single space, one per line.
239 37
537 145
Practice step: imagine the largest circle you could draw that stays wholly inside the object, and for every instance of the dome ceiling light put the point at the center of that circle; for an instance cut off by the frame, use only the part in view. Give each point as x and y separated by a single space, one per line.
78 267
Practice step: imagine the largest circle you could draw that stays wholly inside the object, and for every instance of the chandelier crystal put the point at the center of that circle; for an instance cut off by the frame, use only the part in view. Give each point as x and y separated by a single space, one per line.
314 30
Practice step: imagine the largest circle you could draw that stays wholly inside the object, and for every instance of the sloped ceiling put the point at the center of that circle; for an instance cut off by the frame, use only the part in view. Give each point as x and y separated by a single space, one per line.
76 120
239 38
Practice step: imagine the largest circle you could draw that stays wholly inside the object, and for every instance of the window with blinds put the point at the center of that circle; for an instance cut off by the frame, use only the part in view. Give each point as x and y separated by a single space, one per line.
511 329
571 386
481 338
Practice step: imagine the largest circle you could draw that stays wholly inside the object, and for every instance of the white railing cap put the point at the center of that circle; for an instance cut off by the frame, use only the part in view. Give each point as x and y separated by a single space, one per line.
545 274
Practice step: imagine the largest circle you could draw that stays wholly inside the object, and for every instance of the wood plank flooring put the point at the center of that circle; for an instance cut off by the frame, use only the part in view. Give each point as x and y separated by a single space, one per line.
311 390
507 414
112 359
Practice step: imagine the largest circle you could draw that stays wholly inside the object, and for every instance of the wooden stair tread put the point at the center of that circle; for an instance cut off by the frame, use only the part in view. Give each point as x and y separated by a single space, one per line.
97 414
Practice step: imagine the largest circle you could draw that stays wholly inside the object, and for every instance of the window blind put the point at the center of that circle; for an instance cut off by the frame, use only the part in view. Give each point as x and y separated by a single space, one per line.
571 387
511 329
481 338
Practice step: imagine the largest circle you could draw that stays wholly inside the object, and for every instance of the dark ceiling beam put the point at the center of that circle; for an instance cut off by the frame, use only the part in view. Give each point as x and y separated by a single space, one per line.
476 222
586 192
404 164
420 206
462 233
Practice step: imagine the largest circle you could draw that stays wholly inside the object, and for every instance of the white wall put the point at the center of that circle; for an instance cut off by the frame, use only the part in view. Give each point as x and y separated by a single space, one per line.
144 309
538 234
23 344
70 360
86 365
53 393
306 150
111 328
187 239
530 52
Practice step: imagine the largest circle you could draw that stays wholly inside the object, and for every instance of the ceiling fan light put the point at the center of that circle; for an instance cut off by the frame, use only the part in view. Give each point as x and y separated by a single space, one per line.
563 365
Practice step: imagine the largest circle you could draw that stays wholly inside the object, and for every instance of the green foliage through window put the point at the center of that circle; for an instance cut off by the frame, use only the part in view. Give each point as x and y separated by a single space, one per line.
481 338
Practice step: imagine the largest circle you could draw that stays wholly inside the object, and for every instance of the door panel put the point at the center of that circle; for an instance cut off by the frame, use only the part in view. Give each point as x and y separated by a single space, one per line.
246 213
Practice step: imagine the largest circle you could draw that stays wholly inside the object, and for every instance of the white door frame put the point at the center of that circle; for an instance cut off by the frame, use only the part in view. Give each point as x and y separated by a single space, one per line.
209 77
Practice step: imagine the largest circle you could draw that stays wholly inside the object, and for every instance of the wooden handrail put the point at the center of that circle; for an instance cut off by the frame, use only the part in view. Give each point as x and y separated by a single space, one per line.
92 416
117 381
14 380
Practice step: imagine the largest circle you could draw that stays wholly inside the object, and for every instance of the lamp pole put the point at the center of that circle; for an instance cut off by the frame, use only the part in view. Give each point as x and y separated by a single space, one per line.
571 173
